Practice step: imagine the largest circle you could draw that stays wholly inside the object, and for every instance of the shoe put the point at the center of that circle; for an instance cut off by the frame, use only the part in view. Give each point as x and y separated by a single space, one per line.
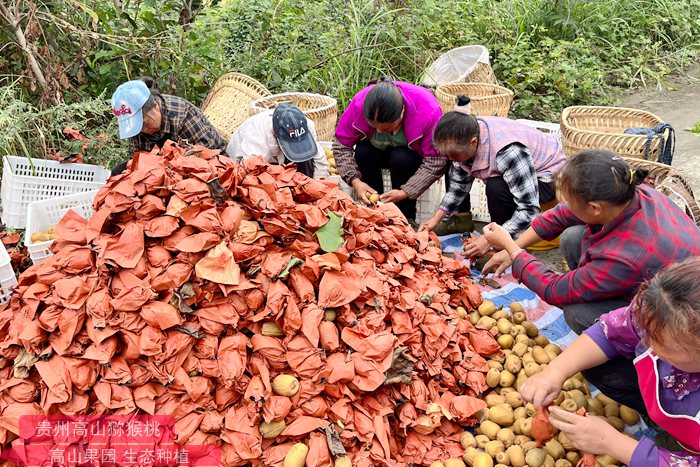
458 223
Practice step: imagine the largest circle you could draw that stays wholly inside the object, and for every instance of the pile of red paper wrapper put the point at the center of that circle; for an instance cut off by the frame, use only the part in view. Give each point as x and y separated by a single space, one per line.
156 304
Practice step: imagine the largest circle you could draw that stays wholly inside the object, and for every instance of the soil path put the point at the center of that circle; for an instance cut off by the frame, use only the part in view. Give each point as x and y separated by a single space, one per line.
677 102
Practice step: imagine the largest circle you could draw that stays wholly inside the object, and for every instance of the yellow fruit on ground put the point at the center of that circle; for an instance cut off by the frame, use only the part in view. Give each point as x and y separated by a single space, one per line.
271 429
272 329
296 456
285 385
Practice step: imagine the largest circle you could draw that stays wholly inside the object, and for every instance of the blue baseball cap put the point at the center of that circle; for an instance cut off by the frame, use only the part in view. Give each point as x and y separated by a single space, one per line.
292 133
127 102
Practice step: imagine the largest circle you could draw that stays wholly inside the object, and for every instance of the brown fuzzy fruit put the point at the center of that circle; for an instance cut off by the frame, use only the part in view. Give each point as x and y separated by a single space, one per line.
494 447
516 456
617 423
502 458
505 341
540 355
506 379
272 329
541 340
493 377
554 449
535 457
501 414
487 308
489 428
573 456
514 399
629 416
612 410
506 436
271 429
285 385
296 456
482 460
467 440
481 441
569 405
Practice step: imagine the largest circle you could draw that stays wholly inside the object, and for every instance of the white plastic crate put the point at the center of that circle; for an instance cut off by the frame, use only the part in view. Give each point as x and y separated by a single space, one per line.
47 213
480 206
426 204
7 276
545 127
25 181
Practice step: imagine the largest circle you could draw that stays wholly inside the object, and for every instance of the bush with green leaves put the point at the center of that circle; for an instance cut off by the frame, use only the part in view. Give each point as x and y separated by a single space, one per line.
551 53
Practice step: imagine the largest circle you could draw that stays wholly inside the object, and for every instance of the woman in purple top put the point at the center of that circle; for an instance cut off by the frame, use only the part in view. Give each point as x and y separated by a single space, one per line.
389 125
660 332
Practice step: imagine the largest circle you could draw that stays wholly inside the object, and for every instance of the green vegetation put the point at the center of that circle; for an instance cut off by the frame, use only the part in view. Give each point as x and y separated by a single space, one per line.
552 53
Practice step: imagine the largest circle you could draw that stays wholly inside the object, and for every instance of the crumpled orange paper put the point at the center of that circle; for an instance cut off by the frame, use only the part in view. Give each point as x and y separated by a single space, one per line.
156 305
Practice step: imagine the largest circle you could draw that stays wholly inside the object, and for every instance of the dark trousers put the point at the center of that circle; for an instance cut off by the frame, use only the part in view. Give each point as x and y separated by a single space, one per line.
402 163
616 378
501 201
119 169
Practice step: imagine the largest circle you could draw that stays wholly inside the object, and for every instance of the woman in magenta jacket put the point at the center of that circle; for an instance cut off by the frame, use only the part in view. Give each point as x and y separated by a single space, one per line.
390 125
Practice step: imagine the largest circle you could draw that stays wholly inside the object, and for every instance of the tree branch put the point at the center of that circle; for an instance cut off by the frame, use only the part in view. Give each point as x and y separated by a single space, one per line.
13 19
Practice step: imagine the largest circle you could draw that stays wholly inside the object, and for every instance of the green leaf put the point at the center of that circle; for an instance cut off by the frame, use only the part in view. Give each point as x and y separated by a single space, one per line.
292 262
330 236
106 68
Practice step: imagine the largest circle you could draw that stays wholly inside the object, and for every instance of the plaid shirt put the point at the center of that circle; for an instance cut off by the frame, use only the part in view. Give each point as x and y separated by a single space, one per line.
514 162
650 234
183 123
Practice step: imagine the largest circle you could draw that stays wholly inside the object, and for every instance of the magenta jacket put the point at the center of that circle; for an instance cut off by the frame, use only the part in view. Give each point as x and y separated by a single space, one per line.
420 117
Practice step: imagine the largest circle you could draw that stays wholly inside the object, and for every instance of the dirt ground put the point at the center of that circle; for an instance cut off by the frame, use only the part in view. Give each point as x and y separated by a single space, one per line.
676 102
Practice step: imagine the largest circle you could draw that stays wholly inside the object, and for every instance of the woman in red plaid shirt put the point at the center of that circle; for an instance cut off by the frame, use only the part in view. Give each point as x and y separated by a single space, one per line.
616 232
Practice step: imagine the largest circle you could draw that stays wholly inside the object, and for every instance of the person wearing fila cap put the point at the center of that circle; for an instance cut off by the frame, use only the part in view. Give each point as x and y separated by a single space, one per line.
148 118
280 136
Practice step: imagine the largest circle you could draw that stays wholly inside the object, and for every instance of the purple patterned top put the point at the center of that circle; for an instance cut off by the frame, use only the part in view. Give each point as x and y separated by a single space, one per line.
617 335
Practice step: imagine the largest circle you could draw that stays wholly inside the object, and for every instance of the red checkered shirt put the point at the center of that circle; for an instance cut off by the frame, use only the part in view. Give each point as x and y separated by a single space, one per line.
650 234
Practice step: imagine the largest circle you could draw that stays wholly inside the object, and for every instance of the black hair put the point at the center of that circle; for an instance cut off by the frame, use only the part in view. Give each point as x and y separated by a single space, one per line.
455 129
667 305
384 102
152 85
600 175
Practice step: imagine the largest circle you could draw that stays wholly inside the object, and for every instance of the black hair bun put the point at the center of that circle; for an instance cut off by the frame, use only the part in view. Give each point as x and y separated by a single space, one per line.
150 82
463 100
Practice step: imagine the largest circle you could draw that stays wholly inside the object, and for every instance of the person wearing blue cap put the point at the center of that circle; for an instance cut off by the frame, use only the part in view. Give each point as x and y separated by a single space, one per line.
148 119
281 136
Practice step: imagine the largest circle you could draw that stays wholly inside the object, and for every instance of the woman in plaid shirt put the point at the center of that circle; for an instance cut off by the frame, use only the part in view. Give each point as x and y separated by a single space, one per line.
616 231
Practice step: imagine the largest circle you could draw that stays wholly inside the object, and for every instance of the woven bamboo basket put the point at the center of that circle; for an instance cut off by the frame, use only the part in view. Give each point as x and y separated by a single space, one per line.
228 102
486 99
323 110
670 182
467 64
591 127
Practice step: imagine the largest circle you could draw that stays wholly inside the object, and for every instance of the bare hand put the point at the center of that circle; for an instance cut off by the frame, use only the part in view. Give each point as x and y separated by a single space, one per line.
498 263
430 224
588 434
542 388
497 236
476 248
361 191
393 196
